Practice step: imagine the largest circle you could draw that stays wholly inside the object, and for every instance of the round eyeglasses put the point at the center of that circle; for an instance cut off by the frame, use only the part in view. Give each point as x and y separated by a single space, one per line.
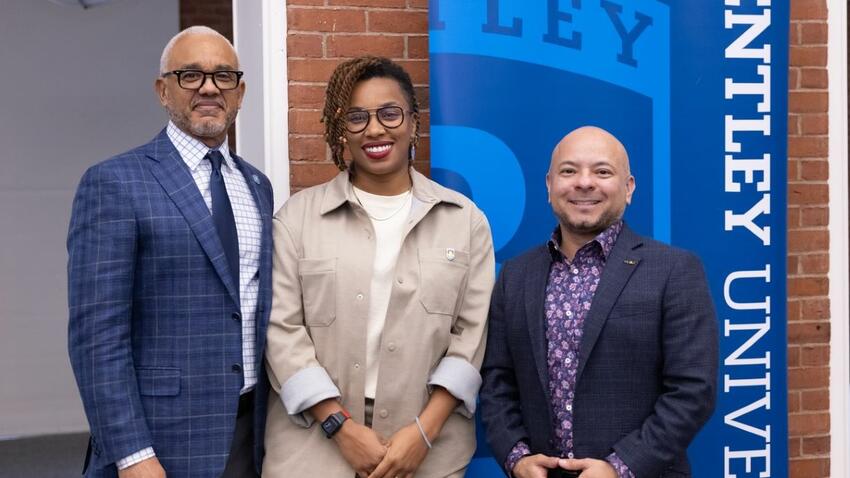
390 117
195 79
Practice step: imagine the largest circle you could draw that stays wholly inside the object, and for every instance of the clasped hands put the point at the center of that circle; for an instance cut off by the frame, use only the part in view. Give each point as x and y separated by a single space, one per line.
538 466
372 456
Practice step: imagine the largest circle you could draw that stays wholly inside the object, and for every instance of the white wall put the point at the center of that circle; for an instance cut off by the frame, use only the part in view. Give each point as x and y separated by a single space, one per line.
76 86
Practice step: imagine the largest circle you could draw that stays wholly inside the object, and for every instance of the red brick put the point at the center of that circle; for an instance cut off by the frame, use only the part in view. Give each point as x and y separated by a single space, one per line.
808 333
814 170
815 78
808 423
814 124
349 46
305 2
794 447
398 22
814 264
808 10
807 55
423 95
326 20
816 445
814 216
808 286
808 147
793 78
417 3
793 311
793 402
808 468
303 45
369 3
814 355
793 124
808 102
314 70
814 309
306 122
808 194
793 215
418 70
417 47
307 96
794 35
814 33
305 175
307 148
814 400
808 240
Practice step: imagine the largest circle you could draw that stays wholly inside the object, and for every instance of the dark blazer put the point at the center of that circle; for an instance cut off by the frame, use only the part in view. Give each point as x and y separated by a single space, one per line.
647 362
154 337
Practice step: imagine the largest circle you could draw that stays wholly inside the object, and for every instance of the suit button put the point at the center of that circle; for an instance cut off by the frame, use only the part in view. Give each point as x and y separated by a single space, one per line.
383 413
391 347
400 280
359 296
236 316
236 368
570 455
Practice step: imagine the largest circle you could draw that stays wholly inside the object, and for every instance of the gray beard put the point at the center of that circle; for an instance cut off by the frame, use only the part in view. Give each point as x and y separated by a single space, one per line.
203 129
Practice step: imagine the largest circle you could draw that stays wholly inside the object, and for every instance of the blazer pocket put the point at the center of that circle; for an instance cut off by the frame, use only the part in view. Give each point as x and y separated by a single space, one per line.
158 381
318 290
442 273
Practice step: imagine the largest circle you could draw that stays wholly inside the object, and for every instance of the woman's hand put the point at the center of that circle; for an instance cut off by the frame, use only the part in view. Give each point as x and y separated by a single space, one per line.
406 451
361 447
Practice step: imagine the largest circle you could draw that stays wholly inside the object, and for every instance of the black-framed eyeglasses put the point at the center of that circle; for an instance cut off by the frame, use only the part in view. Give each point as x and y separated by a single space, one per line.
389 116
195 79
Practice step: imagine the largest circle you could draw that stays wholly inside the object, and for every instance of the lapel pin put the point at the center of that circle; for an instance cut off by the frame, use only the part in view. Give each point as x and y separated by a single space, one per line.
255 178
630 262
450 254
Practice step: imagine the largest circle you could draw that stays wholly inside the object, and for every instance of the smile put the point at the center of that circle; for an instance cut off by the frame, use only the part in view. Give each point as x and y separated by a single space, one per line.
378 150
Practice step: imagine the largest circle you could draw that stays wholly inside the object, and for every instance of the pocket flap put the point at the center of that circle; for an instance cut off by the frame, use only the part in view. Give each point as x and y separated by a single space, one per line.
158 381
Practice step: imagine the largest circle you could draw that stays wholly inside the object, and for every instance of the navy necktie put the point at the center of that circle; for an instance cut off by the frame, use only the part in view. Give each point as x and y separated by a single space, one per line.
222 214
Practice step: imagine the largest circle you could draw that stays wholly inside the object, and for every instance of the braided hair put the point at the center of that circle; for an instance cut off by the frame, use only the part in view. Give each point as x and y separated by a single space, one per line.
338 96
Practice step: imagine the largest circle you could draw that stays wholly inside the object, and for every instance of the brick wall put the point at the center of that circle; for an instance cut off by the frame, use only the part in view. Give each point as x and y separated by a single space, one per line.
808 242
321 34
216 14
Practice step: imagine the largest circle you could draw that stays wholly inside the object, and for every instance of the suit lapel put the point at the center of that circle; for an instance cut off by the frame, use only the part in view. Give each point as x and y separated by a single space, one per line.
175 178
535 297
619 267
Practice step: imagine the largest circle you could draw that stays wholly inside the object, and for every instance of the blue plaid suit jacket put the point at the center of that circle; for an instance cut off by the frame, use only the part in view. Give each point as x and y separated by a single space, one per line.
647 373
153 340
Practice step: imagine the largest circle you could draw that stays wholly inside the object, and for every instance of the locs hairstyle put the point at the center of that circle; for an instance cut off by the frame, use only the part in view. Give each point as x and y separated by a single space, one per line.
338 96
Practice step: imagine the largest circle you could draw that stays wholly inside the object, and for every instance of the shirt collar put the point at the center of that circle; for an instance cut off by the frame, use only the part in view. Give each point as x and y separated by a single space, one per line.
339 191
605 239
192 150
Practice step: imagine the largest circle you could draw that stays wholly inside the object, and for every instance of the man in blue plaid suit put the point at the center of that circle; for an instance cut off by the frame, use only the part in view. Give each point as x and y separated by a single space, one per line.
169 290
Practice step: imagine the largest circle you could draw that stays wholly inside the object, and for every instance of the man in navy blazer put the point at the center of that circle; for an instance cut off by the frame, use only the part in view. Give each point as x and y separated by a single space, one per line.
169 275
602 350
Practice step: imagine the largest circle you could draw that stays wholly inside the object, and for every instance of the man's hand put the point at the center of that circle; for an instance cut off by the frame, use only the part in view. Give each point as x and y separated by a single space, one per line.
361 447
589 467
406 451
148 468
534 466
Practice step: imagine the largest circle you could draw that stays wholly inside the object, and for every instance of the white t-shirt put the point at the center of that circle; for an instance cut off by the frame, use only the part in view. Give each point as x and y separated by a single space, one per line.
388 215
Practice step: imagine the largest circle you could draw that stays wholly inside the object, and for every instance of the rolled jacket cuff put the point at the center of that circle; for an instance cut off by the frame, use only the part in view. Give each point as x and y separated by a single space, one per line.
461 379
306 388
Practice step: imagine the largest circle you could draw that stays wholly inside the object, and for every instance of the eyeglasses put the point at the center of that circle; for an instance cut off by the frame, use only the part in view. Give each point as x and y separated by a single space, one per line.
389 116
195 79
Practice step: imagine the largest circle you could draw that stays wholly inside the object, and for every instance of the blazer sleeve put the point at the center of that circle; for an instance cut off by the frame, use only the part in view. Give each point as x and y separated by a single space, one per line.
689 373
500 401
294 371
458 371
101 265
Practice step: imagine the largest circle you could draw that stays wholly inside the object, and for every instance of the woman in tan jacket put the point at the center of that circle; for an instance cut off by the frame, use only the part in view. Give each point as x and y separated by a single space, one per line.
382 283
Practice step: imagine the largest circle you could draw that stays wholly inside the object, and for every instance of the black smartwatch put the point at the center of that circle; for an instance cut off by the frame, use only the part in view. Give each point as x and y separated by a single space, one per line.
334 422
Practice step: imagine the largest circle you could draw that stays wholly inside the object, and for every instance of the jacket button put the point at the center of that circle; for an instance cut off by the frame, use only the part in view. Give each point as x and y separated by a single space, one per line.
391 347
359 296
400 280
236 368
383 413
236 316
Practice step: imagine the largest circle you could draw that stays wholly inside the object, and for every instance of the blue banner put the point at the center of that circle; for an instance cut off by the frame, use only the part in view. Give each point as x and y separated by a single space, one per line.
696 90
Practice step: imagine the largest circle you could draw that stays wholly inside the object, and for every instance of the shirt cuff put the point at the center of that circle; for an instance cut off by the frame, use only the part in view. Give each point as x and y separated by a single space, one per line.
517 452
137 457
621 468
461 379
303 390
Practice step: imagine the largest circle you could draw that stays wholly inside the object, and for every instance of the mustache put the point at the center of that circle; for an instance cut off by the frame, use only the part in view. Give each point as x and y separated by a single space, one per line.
208 102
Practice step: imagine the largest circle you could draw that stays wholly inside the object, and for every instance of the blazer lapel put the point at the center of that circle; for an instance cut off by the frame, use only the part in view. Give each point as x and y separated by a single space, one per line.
535 297
175 178
619 267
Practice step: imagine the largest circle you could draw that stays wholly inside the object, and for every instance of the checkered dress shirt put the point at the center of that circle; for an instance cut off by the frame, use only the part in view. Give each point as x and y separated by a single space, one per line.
248 228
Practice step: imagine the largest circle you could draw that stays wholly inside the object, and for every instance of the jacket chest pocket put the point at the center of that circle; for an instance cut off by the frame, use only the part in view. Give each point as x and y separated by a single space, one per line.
443 273
318 290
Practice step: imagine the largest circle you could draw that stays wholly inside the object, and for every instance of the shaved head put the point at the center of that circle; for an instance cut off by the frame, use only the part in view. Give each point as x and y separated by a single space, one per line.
592 138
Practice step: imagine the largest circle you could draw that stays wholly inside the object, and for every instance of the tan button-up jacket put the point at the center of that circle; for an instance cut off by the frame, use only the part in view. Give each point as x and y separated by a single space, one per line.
434 332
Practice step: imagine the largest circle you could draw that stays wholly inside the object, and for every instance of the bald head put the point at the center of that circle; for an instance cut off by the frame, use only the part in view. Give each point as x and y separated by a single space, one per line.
591 140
